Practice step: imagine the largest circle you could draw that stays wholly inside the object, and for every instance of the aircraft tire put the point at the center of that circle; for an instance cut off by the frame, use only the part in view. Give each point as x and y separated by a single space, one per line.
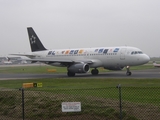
128 73
95 72
70 74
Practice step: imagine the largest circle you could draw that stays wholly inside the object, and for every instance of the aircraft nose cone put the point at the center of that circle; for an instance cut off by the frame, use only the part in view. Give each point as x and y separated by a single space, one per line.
146 58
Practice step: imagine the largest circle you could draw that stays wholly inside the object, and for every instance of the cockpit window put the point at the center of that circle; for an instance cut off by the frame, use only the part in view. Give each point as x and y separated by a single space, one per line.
140 52
136 52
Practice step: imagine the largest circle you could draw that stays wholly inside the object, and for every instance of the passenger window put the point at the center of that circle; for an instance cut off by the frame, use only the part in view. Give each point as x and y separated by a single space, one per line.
132 53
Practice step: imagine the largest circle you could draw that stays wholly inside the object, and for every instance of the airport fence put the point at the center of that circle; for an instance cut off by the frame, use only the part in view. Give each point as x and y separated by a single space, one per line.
111 103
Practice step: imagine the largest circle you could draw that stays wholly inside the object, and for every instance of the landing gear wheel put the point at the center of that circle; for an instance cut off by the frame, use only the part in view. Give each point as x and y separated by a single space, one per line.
70 74
128 73
94 72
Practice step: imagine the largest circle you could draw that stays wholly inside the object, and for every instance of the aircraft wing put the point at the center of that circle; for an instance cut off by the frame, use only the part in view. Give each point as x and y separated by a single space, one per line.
52 60
60 61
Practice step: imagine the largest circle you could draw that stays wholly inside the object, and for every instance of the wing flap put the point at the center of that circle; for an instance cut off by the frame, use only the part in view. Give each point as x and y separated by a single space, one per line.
51 61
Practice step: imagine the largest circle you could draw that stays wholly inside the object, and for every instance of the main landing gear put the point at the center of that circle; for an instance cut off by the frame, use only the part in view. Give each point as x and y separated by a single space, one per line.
70 74
128 73
94 71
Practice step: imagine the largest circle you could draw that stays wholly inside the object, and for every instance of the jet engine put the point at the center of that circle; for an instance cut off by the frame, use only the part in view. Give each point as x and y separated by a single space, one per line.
79 68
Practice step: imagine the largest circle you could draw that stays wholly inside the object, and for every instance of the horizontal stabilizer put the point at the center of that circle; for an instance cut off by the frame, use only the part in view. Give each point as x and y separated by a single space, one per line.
27 55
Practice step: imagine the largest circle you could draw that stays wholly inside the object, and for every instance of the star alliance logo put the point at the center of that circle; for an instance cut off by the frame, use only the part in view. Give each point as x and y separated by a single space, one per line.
33 39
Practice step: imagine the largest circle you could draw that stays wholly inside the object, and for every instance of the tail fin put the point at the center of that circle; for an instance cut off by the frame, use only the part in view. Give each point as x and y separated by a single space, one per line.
8 59
35 43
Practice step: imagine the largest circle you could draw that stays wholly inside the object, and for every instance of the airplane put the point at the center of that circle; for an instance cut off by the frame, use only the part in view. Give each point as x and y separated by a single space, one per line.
80 60
155 64
12 60
6 61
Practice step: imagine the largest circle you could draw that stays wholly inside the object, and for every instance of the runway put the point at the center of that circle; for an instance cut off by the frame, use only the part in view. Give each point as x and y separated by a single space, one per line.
149 74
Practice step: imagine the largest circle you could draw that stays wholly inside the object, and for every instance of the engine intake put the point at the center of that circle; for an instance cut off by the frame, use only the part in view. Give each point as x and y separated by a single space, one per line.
79 68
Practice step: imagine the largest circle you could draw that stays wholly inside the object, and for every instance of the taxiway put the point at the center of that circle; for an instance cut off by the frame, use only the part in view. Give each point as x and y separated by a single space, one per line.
149 74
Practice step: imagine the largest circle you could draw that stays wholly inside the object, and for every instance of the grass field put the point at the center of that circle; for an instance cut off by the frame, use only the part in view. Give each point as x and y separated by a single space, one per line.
143 86
137 94
78 83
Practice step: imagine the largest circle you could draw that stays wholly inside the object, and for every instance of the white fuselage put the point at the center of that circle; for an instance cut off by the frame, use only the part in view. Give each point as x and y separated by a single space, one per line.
106 57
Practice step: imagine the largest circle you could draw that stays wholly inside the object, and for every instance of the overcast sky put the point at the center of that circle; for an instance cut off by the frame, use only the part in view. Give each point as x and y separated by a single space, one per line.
80 23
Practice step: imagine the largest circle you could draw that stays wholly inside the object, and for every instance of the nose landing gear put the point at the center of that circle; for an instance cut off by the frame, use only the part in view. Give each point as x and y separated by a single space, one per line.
128 73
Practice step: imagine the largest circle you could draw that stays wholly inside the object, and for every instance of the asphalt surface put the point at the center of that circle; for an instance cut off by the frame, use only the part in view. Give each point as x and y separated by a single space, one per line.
151 73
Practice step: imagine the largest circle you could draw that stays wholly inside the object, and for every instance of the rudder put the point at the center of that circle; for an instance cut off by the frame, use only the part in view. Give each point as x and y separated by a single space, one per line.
35 42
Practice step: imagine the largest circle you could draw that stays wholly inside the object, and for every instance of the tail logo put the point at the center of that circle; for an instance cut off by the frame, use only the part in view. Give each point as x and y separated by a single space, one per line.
33 39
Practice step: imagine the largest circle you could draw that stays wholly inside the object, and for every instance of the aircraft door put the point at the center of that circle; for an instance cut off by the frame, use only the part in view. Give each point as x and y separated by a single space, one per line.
122 53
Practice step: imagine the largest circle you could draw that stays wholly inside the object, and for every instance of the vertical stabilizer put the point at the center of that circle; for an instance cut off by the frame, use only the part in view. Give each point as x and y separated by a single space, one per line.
35 43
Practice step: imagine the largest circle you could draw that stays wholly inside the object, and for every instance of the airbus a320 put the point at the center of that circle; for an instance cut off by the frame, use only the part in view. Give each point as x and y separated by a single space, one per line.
80 60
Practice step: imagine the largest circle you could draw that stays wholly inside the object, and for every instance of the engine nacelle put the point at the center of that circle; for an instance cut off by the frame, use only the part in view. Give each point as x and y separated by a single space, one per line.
114 68
79 68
